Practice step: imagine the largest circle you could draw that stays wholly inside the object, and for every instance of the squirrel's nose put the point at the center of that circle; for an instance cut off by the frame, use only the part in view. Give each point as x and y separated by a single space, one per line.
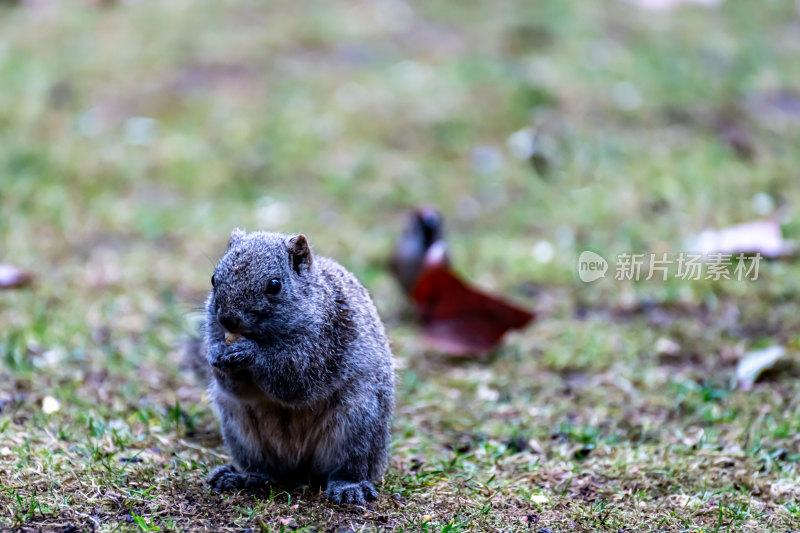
230 322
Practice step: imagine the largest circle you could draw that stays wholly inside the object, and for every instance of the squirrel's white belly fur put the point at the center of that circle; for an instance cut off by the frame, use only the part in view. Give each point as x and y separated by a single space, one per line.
290 437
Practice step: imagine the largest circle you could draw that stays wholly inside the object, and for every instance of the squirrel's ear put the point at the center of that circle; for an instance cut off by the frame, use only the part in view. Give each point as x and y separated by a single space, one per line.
299 252
236 235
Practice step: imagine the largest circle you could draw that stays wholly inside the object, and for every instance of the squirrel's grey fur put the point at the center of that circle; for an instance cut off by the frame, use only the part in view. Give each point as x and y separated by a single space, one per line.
306 393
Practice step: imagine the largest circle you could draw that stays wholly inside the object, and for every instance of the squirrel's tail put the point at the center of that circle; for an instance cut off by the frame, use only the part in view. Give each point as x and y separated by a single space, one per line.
193 357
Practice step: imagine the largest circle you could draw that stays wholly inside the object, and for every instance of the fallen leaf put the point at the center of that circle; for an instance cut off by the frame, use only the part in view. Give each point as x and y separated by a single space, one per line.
666 346
754 363
458 319
12 277
666 5
760 236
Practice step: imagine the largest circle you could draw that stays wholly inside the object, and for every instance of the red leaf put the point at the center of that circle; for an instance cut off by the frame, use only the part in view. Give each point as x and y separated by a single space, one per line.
458 319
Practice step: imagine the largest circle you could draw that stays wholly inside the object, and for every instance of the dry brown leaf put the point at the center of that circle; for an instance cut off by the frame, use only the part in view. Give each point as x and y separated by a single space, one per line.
459 319
760 236
754 363
12 277
666 5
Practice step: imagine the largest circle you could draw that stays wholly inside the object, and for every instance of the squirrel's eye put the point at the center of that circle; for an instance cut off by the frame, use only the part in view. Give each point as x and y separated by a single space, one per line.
213 281
273 286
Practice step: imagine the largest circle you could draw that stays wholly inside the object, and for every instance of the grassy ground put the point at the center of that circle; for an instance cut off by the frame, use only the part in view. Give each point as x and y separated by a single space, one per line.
133 137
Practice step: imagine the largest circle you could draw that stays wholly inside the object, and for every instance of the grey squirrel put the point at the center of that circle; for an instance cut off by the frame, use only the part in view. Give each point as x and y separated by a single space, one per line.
300 370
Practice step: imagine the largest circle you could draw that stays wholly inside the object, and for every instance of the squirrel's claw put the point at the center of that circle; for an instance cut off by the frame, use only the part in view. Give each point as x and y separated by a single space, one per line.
348 492
227 479
234 357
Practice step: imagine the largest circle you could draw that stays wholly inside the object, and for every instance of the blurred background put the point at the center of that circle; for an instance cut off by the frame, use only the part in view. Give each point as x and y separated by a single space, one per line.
134 135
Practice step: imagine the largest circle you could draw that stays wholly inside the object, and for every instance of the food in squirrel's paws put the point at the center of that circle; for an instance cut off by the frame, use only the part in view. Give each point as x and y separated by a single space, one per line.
230 338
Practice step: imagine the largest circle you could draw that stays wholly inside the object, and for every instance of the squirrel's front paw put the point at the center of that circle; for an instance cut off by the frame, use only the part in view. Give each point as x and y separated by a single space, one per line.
226 479
356 493
235 356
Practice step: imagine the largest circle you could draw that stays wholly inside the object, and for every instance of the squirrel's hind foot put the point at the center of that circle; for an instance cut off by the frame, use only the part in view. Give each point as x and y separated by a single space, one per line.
226 479
354 493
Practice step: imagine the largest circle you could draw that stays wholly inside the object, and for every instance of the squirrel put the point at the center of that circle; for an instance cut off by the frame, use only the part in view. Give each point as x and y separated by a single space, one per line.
300 370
